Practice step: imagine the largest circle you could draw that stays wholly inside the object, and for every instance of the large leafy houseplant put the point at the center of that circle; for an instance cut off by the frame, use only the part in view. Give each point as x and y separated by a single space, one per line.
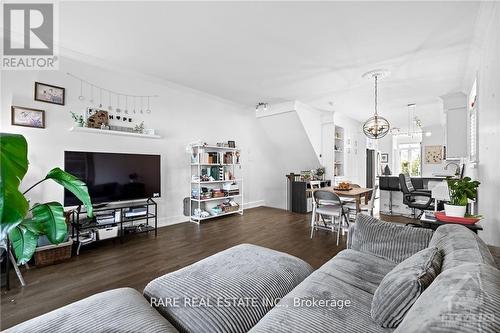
21 223
461 190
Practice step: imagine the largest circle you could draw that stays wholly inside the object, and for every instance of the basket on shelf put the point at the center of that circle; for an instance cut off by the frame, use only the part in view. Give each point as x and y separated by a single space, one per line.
218 194
51 254
227 209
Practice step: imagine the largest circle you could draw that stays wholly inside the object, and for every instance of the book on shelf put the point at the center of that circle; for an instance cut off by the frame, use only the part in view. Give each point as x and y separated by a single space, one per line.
215 158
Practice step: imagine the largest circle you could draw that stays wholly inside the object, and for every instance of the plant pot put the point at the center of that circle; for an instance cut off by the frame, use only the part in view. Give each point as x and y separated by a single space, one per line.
79 124
455 211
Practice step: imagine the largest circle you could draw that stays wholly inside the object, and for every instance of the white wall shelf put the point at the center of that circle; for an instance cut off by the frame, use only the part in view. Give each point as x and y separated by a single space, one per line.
111 132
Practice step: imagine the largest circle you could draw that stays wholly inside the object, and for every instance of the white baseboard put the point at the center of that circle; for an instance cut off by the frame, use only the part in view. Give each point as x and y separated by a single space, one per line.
253 204
170 220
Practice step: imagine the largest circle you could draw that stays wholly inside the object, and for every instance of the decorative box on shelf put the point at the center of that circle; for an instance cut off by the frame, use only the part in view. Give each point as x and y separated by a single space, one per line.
227 209
108 232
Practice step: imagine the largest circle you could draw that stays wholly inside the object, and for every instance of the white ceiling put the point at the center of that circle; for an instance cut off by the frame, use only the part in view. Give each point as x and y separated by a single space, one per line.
273 52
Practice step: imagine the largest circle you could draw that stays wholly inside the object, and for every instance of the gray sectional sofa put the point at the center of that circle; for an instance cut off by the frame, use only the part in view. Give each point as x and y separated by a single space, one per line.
250 288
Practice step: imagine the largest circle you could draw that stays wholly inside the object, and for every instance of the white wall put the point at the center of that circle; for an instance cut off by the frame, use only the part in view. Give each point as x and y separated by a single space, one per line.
437 138
312 121
180 115
384 146
286 137
489 128
301 138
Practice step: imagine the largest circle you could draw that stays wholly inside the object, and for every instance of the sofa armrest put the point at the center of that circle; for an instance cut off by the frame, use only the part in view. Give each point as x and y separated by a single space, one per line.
392 241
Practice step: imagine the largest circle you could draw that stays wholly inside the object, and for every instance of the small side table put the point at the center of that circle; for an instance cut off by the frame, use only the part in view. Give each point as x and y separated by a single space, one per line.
428 220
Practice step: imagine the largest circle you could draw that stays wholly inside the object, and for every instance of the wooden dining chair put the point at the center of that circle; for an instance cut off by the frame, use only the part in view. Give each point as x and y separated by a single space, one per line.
364 208
348 200
315 184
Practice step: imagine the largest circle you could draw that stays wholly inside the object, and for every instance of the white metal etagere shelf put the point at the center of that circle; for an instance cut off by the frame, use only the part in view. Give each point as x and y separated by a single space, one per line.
196 166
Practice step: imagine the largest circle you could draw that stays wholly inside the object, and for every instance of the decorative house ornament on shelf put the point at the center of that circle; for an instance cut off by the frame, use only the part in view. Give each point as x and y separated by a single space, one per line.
376 127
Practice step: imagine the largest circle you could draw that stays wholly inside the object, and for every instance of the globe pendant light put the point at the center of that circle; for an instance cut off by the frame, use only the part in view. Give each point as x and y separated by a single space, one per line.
376 127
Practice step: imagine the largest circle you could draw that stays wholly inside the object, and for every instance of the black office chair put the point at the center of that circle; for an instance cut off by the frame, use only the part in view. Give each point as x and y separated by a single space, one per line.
415 199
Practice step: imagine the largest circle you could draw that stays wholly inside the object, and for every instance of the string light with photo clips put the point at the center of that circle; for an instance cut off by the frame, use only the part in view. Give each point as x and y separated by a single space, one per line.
110 92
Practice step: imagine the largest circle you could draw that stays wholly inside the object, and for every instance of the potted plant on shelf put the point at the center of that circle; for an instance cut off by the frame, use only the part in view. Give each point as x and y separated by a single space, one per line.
22 224
78 118
461 190
320 173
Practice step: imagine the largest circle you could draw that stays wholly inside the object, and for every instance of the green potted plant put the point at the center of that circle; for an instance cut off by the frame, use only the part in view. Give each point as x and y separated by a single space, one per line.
320 172
22 224
461 190
78 118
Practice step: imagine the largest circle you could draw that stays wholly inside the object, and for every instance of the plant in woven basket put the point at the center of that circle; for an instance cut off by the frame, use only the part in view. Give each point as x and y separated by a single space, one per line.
22 224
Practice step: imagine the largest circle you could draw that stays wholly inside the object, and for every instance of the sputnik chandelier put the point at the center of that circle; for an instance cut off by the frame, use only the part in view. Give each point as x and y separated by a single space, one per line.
376 127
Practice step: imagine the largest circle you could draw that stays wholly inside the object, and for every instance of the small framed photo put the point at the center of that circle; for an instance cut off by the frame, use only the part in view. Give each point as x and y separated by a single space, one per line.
27 117
384 158
231 144
49 94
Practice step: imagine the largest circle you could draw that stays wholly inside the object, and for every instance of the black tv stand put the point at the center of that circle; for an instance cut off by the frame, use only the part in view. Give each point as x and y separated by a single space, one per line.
97 206
81 224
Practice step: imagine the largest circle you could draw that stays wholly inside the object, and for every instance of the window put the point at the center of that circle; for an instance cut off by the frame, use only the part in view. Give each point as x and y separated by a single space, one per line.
409 158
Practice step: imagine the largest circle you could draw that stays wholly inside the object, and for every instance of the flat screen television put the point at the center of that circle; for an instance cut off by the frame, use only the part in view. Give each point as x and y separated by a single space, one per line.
112 177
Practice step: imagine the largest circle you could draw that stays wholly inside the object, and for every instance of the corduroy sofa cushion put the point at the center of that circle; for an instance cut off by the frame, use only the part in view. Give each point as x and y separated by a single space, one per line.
118 310
227 292
388 240
402 286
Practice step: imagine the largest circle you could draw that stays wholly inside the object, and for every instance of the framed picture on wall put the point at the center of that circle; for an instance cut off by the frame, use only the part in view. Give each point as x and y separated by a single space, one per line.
433 154
27 117
384 158
49 94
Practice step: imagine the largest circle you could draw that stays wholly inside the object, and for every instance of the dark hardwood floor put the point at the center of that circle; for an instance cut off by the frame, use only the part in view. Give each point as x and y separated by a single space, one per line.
142 258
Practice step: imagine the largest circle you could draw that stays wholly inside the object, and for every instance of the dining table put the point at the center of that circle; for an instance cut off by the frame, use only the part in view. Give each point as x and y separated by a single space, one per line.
356 192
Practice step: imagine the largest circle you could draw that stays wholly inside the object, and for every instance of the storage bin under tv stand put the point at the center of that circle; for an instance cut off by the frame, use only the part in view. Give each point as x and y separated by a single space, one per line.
80 223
